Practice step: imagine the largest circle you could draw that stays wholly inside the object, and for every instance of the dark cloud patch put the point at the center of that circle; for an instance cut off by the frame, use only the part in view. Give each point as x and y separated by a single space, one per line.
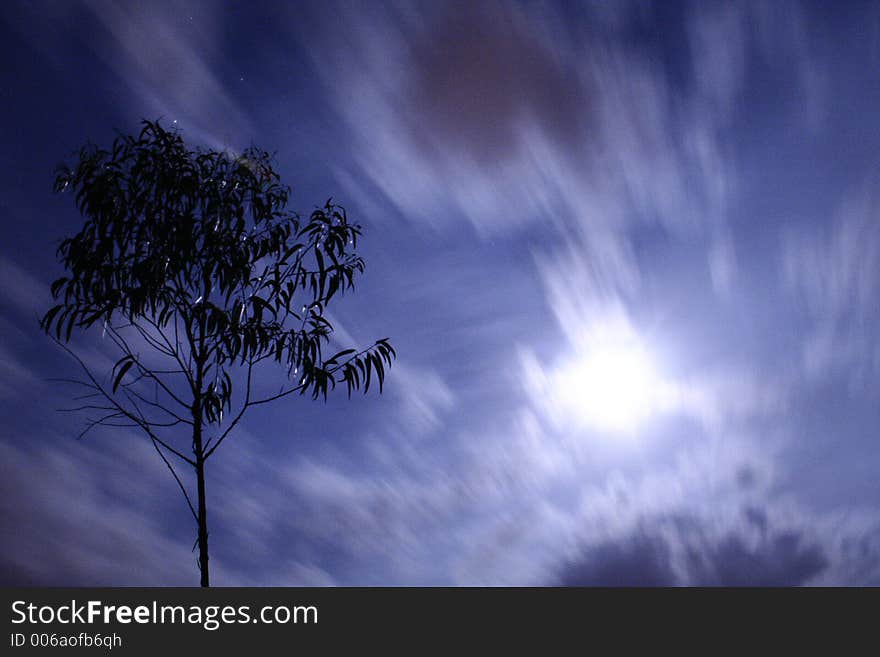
643 559
756 517
786 559
686 551
746 477
479 75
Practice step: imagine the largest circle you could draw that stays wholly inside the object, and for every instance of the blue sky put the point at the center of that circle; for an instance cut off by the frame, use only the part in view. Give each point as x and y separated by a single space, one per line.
628 254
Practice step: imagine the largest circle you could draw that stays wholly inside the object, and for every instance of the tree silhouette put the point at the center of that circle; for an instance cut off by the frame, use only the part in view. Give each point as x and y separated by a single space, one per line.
191 265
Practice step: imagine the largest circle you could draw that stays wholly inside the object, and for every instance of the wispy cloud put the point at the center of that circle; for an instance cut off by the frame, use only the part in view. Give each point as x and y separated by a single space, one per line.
834 269
169 55
79 516
550 188
167 58
25 293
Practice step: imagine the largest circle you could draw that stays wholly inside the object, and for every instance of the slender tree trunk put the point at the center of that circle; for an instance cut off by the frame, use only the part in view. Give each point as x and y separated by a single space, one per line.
202 505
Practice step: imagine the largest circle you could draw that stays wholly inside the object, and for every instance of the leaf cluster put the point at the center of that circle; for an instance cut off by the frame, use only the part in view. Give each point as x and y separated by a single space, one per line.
199 243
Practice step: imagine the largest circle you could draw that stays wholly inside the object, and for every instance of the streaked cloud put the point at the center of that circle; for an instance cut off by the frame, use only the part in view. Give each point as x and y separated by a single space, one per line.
581 222
834 269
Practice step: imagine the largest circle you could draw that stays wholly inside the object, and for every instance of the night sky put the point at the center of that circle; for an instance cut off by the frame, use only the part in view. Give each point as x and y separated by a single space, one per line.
628 254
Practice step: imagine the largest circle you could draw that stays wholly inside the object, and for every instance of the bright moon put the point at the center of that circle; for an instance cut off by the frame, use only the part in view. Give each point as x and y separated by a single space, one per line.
609 384
612 388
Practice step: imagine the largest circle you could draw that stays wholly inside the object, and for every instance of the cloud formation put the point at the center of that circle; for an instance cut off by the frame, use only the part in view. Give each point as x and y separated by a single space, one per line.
543 183
834 270
679 551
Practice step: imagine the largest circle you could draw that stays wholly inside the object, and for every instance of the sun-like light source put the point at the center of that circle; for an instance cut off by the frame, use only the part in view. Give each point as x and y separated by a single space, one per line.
609 383
611 387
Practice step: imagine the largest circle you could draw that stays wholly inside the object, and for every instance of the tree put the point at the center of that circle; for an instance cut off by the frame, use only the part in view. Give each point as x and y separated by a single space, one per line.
191 265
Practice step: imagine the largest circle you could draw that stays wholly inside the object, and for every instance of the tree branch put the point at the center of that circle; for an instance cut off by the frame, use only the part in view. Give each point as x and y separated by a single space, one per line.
298 388
235 420
120 342
97 386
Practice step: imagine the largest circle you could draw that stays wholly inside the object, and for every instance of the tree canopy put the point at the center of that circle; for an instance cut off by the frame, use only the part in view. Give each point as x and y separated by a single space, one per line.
191 257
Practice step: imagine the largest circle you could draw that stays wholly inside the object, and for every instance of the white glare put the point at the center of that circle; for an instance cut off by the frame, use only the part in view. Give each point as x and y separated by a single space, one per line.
609 383
612 387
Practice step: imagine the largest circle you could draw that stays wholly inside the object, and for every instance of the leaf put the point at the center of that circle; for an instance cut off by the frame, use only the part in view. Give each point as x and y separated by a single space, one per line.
369 365
335 357
121 373
320 259
47 320
260 304
57 285
69 331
